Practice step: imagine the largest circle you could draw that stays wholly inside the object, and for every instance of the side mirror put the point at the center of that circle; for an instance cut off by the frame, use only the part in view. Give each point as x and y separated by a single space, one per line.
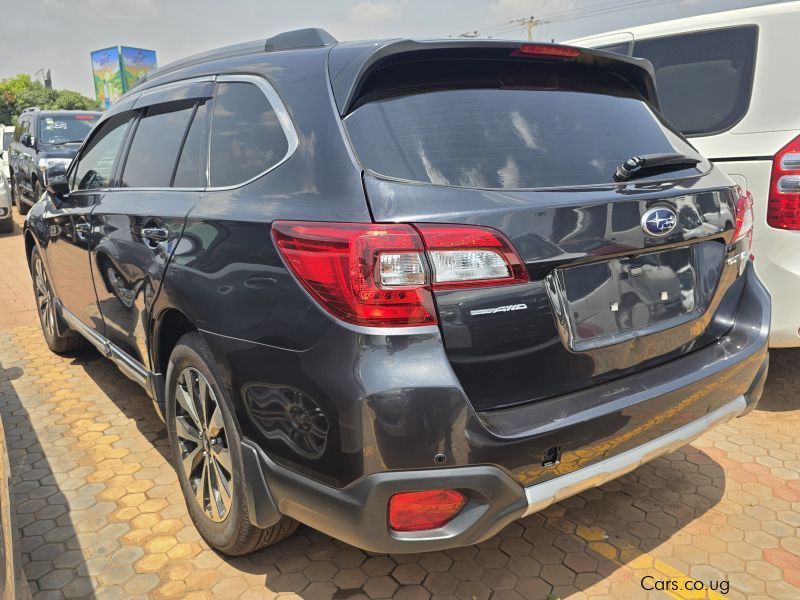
26 140
1 155
57 181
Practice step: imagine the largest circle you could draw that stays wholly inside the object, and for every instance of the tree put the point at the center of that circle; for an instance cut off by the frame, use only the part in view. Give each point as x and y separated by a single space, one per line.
20 92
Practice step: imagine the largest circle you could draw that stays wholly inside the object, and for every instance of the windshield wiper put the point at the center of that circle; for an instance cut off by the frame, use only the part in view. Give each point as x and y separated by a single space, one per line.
651 164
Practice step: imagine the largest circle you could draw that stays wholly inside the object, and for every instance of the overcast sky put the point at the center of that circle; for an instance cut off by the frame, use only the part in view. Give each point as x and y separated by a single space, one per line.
59 34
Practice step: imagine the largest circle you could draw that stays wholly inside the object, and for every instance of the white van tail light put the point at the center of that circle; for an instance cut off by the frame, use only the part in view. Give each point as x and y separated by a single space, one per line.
783 207
382 275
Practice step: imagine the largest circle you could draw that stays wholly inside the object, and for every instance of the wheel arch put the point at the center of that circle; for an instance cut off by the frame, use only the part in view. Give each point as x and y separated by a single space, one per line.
170 326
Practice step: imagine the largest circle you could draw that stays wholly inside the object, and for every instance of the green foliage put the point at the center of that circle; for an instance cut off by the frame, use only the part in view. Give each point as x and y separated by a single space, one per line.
20 92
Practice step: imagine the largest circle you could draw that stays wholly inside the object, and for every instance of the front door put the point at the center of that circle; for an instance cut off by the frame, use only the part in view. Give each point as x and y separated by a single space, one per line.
138 223
68 221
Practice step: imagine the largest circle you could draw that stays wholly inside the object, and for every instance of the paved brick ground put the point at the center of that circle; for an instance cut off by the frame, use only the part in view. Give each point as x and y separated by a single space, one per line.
102 515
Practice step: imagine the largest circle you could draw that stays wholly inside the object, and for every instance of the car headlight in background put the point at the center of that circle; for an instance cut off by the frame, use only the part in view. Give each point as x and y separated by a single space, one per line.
46 163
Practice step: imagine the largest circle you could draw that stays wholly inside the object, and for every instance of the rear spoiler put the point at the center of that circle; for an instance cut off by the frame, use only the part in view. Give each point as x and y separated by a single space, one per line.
351 64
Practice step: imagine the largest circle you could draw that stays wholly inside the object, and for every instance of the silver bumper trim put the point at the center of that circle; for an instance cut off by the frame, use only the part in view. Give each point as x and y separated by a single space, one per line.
544 494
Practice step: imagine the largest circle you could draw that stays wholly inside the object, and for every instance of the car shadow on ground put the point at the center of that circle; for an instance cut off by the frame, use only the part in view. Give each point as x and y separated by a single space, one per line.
48 550
782 391
581 542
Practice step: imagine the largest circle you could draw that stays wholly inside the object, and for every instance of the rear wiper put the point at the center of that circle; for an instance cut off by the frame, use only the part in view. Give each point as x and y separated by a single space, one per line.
649 164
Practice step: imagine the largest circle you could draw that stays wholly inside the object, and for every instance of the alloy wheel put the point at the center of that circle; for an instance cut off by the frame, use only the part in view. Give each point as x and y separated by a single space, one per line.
44 298
203 444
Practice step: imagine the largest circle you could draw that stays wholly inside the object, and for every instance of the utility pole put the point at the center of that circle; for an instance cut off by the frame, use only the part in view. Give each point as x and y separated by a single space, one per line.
530 23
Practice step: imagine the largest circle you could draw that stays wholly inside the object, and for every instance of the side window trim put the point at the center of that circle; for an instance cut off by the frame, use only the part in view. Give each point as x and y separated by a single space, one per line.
280 111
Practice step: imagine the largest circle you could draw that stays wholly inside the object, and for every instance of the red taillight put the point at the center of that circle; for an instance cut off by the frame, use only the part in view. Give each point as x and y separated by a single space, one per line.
744 218
546 50
381 274
470 256
419 511
340 265
86 117
783 207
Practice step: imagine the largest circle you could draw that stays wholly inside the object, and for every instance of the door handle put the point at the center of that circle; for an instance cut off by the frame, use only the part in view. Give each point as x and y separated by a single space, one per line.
155 234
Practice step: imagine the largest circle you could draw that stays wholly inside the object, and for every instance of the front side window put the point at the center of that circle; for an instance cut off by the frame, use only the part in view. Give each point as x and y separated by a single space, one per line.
156 143
246 136
96 162
65 129
704 79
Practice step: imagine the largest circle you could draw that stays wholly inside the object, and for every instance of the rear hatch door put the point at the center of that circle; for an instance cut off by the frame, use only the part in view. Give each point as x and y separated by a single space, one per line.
528 145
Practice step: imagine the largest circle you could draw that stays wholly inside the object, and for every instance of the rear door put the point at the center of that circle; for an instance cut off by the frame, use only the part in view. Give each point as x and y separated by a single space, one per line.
529 147
138 223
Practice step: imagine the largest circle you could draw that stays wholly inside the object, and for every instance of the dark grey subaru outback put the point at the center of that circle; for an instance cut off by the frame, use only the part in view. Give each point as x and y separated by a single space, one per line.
403 292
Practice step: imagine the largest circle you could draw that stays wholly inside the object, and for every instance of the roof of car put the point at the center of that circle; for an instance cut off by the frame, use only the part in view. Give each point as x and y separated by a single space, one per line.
351 62
49 113
739 16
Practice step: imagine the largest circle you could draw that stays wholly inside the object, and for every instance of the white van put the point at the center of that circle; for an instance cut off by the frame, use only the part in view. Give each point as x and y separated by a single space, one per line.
727 80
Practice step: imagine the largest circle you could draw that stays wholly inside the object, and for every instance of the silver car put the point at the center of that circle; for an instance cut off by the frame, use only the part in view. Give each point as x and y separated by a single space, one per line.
6 223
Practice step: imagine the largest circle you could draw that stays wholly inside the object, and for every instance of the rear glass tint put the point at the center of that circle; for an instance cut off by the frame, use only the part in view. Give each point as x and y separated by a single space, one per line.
704 79
507 125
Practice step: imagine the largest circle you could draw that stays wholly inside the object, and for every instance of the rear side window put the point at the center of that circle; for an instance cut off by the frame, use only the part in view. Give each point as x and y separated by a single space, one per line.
246 136
155 146
96 162
704 79
507 125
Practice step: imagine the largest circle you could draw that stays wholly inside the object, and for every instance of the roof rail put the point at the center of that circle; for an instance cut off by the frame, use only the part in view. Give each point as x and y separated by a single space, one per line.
311 37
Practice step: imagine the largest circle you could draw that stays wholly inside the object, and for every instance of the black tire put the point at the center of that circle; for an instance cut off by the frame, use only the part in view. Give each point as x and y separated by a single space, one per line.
7 225
59 338
22 205
225 528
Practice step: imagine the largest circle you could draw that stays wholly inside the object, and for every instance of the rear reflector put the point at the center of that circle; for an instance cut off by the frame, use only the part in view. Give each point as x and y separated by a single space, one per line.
420 511
546 50
382 275
783 207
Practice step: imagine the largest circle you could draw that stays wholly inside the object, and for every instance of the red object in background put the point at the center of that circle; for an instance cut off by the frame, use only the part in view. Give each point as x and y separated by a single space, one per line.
783 206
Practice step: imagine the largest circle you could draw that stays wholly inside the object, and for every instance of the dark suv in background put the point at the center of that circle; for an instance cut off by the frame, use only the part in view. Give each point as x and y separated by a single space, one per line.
43 138
403 292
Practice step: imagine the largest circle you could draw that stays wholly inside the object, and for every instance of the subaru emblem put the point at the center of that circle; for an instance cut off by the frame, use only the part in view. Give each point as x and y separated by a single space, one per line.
659 221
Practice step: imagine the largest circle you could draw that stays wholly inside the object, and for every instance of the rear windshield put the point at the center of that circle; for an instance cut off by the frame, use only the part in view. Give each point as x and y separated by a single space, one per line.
506 125
63 129
704 79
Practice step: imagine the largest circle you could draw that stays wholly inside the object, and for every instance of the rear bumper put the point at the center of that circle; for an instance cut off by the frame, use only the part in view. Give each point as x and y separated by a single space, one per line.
495 457
357 514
